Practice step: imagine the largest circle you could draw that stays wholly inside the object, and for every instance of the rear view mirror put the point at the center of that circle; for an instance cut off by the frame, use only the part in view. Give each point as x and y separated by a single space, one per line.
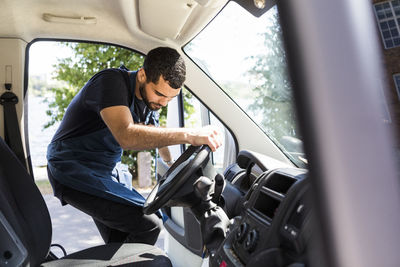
256 7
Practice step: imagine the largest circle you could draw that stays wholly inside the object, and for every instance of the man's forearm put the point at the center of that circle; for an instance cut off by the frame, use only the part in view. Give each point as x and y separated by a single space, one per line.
141 137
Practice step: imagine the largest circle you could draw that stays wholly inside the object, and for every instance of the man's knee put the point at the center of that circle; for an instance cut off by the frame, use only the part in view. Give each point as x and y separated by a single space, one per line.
158 227
155 223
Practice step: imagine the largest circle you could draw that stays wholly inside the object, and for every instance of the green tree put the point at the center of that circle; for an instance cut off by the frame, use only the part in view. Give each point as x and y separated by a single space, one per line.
75 71
38 85
273 91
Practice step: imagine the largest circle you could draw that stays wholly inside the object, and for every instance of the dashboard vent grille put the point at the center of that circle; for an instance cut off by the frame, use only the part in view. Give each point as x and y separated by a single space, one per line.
280 183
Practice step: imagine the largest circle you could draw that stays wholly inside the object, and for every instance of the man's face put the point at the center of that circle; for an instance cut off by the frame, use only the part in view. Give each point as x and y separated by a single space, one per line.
157 95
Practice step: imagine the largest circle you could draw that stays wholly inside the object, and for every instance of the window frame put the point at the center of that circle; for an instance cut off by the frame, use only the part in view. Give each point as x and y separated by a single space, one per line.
394 17
396 80
182 120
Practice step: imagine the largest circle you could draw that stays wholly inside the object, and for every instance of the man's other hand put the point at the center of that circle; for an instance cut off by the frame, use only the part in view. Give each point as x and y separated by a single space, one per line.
209 135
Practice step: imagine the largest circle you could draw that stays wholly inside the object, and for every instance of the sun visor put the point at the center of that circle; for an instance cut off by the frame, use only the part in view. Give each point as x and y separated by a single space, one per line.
164 19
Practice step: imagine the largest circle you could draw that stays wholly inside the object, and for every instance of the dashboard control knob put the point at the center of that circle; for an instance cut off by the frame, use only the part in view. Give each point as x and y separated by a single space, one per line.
251 240
241 232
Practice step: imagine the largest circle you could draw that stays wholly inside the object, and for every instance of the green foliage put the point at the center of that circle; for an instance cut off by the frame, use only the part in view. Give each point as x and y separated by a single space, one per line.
60 102
273 97
188 107
76 71
38 85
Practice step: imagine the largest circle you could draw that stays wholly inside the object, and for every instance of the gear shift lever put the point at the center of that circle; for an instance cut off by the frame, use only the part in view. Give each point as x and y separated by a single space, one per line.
213 220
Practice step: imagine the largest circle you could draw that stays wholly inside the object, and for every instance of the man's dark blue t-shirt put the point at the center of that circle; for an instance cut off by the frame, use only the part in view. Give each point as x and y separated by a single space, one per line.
83 154
110 87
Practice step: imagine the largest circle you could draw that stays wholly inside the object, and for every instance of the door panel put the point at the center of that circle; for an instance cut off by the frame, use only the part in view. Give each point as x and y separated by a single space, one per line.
183 242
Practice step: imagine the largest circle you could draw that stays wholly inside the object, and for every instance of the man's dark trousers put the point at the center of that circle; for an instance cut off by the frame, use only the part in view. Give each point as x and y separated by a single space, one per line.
115 221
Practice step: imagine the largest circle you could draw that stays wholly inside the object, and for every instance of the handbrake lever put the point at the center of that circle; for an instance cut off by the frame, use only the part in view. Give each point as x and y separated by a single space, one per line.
218 188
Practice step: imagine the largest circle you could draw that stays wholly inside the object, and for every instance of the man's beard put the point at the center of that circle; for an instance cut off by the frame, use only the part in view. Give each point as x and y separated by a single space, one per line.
151 105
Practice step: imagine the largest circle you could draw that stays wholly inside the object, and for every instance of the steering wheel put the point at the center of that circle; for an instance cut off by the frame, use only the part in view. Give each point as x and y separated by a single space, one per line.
178 174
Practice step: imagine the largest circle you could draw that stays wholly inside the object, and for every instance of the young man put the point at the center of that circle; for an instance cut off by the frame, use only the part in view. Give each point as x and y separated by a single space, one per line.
114 111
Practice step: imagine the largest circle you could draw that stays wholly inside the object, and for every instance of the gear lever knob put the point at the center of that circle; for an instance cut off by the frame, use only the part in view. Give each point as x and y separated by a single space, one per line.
202 188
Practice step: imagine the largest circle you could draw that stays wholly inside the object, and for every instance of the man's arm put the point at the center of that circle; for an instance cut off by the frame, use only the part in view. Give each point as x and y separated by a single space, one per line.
140 137
166 155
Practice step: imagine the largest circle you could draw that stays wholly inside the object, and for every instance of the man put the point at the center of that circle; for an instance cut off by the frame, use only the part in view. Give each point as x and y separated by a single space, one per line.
114 111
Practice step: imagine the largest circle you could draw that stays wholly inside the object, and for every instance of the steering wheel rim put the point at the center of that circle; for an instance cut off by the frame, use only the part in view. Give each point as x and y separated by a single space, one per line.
167 186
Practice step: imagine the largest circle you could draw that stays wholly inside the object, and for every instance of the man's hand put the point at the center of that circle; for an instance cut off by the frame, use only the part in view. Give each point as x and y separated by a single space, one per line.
209 135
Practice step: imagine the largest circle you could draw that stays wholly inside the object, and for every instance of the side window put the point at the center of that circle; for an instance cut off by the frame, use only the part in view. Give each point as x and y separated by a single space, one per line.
197 115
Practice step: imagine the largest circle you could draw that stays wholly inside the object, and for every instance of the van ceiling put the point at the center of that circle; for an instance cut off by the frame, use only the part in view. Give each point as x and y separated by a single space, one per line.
134 23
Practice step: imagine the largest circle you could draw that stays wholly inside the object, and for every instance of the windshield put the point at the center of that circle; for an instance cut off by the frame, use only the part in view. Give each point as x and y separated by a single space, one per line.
245 56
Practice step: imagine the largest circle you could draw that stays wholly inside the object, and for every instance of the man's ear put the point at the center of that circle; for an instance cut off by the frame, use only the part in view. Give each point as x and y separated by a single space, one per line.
141 75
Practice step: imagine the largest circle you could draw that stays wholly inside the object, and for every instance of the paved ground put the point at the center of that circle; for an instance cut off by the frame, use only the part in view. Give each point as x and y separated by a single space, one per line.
75 230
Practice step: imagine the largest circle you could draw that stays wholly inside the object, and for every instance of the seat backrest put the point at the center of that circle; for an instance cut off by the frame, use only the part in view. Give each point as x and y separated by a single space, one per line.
23 206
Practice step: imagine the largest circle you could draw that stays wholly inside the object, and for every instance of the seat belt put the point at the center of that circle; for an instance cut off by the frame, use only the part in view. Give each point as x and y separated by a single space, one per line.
12 134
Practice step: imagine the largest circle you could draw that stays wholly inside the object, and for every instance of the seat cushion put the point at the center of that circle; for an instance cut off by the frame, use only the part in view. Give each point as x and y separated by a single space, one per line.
114 254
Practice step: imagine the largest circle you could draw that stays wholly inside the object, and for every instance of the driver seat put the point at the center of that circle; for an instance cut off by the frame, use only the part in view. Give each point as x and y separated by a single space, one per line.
25 228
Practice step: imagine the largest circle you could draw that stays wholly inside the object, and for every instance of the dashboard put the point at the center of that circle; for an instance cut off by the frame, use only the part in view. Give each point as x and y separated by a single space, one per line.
270 212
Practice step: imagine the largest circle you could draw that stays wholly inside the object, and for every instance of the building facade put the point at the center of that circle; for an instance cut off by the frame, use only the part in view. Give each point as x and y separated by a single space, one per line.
387 17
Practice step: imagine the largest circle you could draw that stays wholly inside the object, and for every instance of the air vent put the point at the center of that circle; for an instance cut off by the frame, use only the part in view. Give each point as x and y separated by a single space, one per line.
279 183
266 205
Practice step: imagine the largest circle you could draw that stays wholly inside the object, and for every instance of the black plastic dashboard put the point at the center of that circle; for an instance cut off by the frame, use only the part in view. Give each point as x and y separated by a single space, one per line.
271 214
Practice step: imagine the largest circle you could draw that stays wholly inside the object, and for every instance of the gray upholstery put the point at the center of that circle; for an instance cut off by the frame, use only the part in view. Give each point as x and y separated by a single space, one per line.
114 254
23 206
26 212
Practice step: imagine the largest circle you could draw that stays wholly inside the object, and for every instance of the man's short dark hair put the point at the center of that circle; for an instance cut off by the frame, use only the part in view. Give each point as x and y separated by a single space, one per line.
167 62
